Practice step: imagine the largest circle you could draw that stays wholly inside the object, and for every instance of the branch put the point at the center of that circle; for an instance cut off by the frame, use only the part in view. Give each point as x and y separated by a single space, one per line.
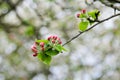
110 5
90 28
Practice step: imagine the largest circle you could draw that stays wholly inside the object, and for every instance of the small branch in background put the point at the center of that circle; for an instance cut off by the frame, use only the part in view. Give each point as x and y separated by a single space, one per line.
114 1
87 2
76 36
106 3
114 11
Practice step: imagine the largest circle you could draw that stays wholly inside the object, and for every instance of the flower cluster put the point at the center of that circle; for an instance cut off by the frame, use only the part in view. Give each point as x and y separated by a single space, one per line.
42 46
34 49
54 40
87 18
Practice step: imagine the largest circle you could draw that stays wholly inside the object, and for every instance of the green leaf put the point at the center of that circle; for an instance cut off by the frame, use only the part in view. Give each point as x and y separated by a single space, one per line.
93 13
51 52
45 58
63 48
45 41
83 15
83 25
59 48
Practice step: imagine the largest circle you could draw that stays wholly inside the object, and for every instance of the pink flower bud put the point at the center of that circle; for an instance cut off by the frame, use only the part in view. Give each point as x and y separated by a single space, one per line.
42 44
60 42
78 15
35 54
42 49
58 39
83 11
55 37
53 41
34 50
49 38
33 46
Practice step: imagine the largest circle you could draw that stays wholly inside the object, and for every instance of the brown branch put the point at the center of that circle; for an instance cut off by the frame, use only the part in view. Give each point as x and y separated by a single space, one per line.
90 28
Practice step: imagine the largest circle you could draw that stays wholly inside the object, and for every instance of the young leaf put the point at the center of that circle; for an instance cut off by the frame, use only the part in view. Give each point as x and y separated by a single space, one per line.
51 52
59 48
63 48
45 41
93 13
83 25
83 15
44 58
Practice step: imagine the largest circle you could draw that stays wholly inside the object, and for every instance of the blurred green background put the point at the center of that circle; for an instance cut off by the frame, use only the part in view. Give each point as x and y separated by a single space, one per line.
95 55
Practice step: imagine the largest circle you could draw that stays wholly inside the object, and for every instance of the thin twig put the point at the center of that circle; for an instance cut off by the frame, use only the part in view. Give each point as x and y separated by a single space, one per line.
114 11
90 28
106 3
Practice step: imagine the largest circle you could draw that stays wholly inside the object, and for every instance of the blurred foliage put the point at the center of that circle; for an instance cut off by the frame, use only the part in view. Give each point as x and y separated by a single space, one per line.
30 31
